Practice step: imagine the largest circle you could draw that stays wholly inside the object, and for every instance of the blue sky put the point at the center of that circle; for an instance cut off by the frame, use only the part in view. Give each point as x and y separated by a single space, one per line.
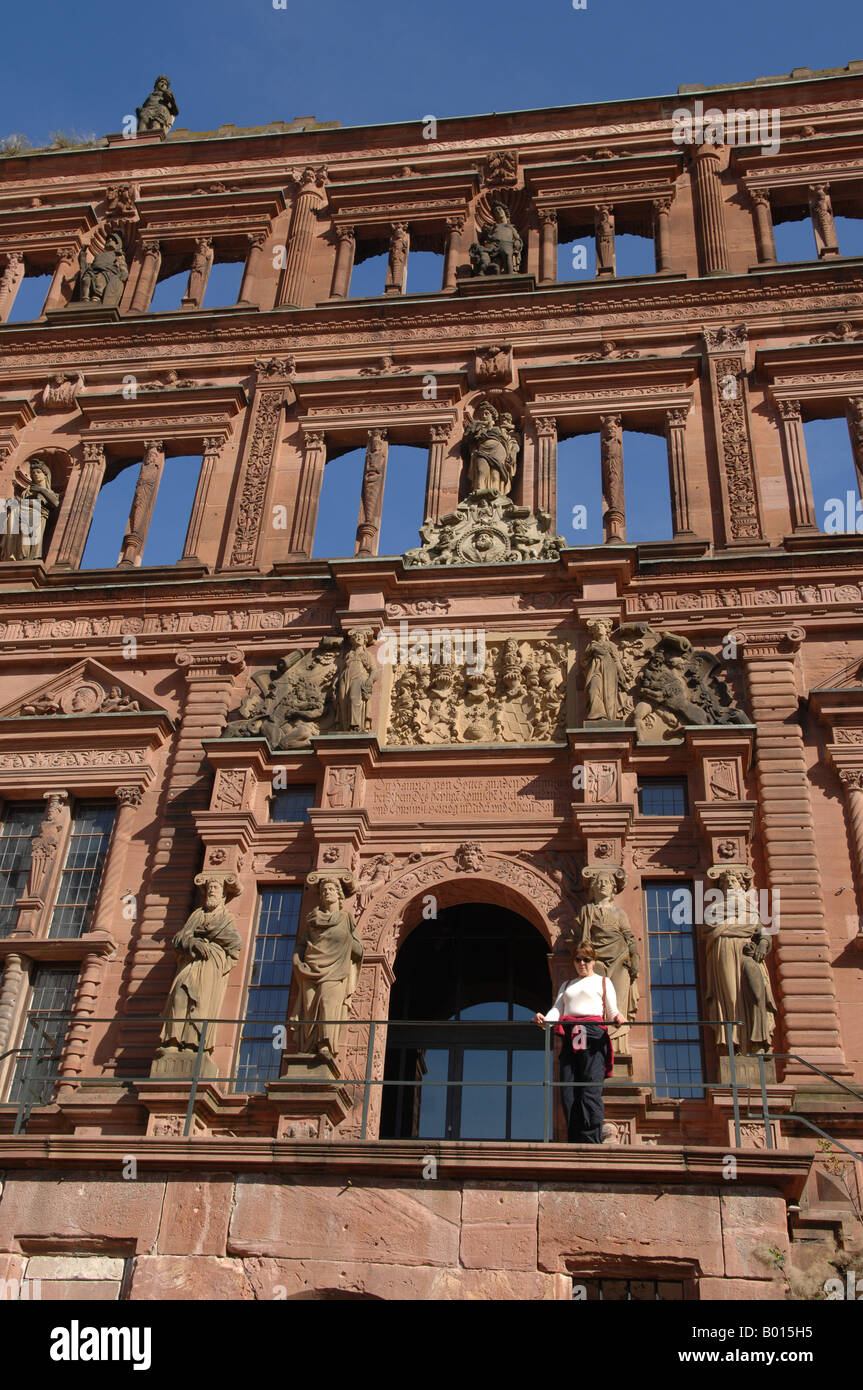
83 68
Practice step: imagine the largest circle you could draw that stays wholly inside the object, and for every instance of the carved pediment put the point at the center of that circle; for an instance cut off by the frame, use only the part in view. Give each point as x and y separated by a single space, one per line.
87 688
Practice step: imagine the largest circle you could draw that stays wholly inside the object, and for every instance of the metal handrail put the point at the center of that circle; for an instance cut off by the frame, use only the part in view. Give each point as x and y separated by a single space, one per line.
368 1081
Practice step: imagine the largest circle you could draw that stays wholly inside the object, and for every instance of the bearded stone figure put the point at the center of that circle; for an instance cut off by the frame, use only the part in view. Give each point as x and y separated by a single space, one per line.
207 948
326 966
606 927
738 984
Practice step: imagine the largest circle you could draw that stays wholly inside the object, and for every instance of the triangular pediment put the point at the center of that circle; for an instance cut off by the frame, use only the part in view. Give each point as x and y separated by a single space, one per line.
88 688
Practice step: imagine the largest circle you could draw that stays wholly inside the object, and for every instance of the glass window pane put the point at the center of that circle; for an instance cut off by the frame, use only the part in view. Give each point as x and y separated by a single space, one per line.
45 1030
82 872
483 1108
20 823
673 989
662 796
292 804
269 986
433 1065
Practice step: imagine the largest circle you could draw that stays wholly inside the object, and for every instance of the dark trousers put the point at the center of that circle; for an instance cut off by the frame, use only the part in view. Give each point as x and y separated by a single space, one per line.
582 1105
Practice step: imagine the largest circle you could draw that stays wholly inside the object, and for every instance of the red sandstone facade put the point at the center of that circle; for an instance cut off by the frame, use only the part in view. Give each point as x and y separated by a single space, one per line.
245 1205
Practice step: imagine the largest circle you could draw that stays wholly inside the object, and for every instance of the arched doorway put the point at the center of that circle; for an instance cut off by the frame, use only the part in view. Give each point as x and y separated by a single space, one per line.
466 987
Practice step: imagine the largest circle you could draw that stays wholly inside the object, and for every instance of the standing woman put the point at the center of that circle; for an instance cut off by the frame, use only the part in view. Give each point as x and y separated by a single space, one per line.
582 1010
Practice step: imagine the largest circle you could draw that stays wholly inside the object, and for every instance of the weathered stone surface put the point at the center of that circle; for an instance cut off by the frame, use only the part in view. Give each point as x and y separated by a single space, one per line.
638 1221
396 1223
192 1278
195 1216
75 1267
302 1279
80 1290
499 1227
752 1222
12 1267
745 1290
80 1207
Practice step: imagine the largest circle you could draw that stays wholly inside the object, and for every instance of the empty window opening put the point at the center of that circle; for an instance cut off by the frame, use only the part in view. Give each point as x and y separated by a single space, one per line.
30 299
404 499
172 510
168 294
425 272
110 515
576 259
369 276
634 254
579 490
338 512
647 487
834 478
849 234
795 240
223 284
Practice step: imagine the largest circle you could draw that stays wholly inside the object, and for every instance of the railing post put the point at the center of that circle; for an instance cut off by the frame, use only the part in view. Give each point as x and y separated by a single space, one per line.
193 1093
547 1085
370 1059
767 1133
732 1065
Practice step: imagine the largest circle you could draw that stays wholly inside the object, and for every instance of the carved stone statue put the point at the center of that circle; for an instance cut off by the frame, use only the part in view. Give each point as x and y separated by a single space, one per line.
294 703
486 528
397 264
737 983
101 280
61 392
604 674
606 927
356 683
659 681
26 519
497 250
492 446
207 948
159 110
604 225
326 965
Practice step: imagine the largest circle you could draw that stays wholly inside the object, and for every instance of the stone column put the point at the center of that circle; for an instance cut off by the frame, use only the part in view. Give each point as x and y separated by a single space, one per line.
821 209
397 265
252 269
852 787
675 434
309 492
109 905
661 235
725 362
347 245
796 466
707 159
548 246
546 466
79 1036
12 986
212 448
854 413
12 274
151 260
764 241
143 503
52 833
802 946
438 447
603 216
455 227
613 500
78 503
60 291
372 499
259 452
301 239
202 264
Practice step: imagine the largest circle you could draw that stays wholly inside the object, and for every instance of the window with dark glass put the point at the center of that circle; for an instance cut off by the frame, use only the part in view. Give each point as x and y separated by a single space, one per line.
662 796
677 1052
269 986
20 823
476 1073
45 1029
292 804
82 871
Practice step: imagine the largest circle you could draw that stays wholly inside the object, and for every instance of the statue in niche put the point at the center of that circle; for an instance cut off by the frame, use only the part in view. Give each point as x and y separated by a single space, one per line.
199 271
160 108
493 447
326 966
61 392
397 265
737 983
28 514
604 674
207 948
101 280
604 238
356 683
372 492
142 505
606 927
497 250
294 703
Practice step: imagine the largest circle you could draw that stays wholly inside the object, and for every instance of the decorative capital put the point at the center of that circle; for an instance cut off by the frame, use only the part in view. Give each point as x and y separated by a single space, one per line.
346 234
276 368
548 217
789 410
154 446
198 665
313 439
94 451
852 778
151 248
759 197
309 180
439 434
214 443
130 796
546 428
611 422
773 642
257 239
725 337
676 418
661 206
456 223
378 433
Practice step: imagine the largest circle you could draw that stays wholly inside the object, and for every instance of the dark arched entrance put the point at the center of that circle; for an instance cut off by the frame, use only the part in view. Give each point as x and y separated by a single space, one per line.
467 986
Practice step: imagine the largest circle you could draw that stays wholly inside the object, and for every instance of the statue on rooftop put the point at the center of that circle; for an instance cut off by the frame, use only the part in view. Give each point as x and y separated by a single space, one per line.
160 108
